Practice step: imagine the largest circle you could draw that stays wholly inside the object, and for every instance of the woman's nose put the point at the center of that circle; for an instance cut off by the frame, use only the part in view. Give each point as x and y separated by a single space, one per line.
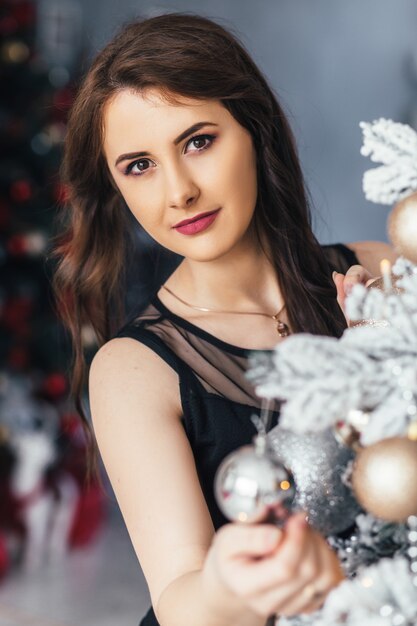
181 189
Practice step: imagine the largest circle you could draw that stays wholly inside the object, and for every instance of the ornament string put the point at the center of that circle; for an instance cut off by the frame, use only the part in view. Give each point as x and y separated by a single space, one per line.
266 412
262 422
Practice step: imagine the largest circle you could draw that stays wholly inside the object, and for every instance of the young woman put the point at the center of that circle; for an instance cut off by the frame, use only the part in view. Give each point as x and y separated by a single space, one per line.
175 121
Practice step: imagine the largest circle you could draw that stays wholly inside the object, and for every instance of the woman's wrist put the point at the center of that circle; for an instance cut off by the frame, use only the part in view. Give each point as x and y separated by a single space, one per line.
197 598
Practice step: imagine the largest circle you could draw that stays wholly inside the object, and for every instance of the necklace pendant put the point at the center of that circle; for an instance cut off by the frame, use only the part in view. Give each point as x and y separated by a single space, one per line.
282 329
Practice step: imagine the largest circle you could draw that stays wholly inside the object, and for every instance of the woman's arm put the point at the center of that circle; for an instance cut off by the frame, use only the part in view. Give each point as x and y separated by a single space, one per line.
136 415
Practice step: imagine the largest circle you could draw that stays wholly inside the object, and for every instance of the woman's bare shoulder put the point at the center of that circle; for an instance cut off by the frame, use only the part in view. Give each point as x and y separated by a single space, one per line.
371 253
129 355
117 350
126 368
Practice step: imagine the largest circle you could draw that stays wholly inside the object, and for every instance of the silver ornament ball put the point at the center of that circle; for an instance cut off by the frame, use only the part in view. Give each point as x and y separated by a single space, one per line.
318 462
251 485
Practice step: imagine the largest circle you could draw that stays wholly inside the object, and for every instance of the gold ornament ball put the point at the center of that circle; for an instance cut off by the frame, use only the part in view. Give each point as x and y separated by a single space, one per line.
384 479
412 431
402 227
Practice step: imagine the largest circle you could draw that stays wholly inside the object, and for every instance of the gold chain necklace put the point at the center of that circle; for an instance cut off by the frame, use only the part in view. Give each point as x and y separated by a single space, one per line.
282 328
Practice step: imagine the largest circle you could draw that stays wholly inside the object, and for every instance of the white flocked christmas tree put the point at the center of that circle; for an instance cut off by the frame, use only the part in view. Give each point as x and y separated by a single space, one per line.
362 388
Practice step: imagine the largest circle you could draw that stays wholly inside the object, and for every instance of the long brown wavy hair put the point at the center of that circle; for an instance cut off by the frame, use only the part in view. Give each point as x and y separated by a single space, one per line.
186 55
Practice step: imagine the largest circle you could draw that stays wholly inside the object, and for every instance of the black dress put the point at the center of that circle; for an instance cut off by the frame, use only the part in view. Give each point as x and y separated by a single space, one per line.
217 399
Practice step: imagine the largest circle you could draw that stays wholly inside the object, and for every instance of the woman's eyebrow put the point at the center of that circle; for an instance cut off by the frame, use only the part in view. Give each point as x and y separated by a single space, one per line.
186 133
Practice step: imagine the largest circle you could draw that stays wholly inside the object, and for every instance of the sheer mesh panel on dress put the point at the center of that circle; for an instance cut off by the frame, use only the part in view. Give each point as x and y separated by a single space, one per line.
220 368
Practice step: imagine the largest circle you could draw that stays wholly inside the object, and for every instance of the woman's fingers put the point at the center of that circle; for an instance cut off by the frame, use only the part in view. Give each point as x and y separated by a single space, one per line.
285 563
291 553
287 571
253 564
338 280
355 274
329 574
344 283
282 566
332 572
235 548
323 573
241 541
288 598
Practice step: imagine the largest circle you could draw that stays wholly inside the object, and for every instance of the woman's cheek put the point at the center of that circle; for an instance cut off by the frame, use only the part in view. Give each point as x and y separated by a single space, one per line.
146 219
145 210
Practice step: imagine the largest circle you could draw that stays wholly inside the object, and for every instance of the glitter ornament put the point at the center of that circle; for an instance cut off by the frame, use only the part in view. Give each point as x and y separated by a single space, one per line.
318 462
375 323
402 227
384 478
252 486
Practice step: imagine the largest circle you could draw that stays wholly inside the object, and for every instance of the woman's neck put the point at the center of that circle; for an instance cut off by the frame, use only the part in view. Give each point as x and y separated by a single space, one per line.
243 279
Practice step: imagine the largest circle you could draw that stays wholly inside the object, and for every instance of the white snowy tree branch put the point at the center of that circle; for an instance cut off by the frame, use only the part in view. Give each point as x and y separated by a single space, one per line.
395 146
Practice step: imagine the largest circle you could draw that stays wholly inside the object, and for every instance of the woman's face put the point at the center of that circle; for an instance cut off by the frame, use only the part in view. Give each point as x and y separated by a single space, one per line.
174 162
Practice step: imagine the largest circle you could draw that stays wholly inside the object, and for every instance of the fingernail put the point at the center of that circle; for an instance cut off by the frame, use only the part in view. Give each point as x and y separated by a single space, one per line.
334 274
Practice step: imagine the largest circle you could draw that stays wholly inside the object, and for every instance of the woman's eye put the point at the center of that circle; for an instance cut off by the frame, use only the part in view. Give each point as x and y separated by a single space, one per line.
137 168
201 142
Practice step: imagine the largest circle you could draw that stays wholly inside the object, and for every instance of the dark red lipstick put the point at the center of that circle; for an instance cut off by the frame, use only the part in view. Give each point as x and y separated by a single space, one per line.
196 224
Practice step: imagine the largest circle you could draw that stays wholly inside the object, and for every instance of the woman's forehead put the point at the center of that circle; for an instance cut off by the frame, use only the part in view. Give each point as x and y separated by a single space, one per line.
130 115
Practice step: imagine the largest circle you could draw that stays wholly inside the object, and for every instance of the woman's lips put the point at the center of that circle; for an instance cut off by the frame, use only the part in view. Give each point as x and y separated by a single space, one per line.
197 225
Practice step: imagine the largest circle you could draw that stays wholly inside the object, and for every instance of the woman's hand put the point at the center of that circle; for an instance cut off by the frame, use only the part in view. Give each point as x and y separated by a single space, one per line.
287 572
356 274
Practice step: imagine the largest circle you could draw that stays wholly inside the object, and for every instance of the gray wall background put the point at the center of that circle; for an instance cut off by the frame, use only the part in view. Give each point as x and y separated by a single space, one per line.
332 63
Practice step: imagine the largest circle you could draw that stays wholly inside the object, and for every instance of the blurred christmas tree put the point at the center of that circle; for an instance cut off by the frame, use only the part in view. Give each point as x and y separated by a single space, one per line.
39 49
35 101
